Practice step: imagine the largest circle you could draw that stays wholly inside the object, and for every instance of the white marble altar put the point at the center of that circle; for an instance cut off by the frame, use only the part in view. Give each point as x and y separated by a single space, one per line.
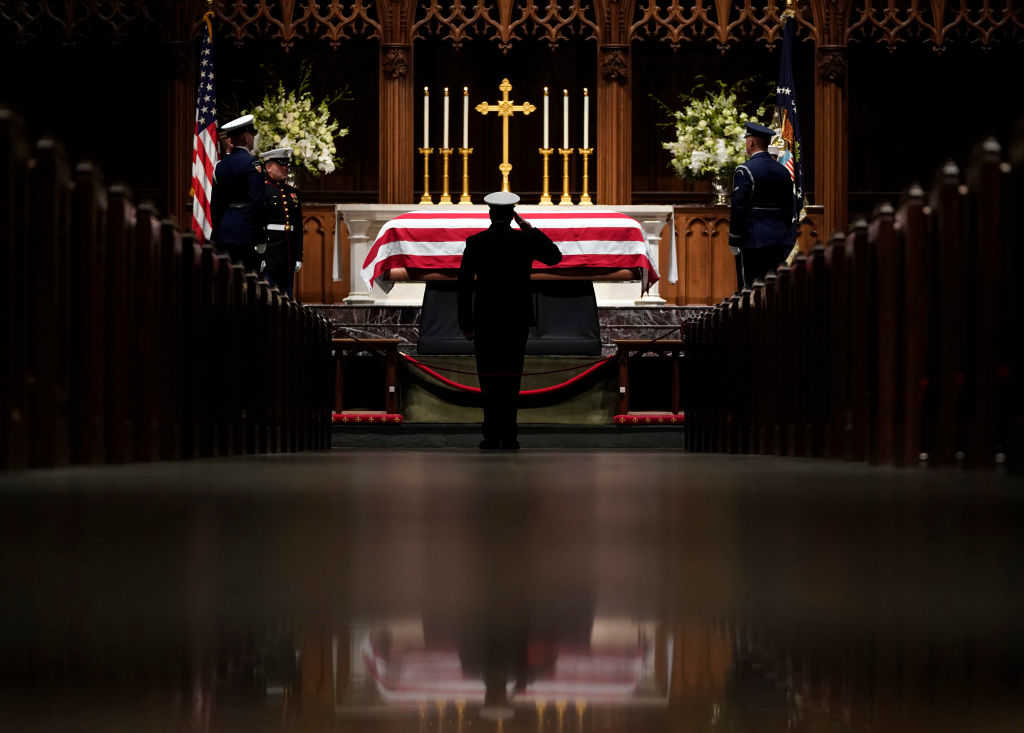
363 222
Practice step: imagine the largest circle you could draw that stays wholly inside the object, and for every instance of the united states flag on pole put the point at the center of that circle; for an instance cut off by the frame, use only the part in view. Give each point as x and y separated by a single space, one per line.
204 144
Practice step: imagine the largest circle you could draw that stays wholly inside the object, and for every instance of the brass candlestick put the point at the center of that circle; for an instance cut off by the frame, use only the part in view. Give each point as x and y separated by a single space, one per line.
425 200
545 198
566 199
464 199
445 198
585 196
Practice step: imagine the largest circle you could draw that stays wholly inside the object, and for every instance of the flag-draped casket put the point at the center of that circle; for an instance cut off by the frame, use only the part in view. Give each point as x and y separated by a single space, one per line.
594 243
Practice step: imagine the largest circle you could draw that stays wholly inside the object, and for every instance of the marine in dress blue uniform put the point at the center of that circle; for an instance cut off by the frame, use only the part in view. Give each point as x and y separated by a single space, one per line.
237 194
496 310
281 221
761 220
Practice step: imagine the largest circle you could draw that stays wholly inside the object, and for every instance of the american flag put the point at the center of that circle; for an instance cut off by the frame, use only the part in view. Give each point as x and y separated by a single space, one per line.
787 160
204 144
434 240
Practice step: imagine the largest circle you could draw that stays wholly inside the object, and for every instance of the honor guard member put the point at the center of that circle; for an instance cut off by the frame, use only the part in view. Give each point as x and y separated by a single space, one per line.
281 220
496 309
237 192
761 221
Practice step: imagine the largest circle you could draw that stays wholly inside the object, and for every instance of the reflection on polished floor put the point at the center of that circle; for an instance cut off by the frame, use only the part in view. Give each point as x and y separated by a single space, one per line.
550 592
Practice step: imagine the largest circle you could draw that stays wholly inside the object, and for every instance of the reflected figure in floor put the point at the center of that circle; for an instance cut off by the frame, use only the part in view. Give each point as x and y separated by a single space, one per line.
496 309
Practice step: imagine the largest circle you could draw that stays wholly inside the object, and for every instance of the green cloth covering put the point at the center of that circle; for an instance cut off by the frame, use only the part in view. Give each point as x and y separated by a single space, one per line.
591 401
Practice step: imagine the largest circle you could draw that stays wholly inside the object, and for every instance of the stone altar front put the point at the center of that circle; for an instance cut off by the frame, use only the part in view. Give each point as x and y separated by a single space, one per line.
364 221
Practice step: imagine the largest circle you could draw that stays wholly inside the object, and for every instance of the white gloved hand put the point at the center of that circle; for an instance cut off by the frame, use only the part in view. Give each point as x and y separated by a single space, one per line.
298 266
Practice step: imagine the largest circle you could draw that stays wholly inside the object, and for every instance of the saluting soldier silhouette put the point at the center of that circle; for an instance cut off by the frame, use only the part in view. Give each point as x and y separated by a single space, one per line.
496 310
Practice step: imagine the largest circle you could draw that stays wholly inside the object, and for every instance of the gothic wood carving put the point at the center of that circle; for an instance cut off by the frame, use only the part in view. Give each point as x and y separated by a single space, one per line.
939 21
72 21
718 21
832 64
722 22
505 21
394 60
290 20
615 63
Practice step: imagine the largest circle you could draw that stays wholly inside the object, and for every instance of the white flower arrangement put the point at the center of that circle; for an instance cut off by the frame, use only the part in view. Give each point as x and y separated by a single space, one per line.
291 119
709 135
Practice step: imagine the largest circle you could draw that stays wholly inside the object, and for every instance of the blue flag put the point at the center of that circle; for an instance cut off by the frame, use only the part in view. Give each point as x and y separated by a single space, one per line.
785 102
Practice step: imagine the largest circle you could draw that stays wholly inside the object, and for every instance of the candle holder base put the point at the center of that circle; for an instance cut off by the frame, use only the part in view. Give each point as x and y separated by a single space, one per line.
464 199
426 200
585 196
566 199
545 197
446 198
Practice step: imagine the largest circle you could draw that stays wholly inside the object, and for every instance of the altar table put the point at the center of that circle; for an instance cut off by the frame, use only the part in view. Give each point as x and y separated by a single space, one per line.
613 286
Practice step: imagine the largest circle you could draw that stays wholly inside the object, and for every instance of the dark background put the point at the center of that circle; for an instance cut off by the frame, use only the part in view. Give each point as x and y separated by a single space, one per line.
909 109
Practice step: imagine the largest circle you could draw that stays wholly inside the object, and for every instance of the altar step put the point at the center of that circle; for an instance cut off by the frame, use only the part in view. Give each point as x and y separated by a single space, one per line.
466 436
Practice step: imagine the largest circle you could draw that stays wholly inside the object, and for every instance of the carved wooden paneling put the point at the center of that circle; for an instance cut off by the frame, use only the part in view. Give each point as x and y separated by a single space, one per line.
723 22
315 282
72 21
939 21
707 267
505 21
719 21
707 272
291 20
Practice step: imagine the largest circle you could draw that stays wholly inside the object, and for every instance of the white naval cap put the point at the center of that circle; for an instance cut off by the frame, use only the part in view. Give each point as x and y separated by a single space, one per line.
278 154
238 124
501 198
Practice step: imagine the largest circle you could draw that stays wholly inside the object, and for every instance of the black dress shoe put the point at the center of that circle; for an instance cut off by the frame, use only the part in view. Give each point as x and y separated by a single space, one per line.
489 445
510 445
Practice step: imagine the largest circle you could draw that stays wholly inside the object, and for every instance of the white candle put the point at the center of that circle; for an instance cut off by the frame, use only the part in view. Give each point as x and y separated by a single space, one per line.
446 117
586 118
565 119
545 118
465 117
426 117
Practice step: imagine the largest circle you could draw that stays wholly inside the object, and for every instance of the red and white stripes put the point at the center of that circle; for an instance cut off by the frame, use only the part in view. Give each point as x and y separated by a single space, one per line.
435 240
204 160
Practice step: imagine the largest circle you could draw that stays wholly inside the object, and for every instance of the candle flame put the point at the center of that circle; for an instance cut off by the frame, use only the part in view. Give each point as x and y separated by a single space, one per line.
584 91
465 91
426 91
545 91
446 91
565 92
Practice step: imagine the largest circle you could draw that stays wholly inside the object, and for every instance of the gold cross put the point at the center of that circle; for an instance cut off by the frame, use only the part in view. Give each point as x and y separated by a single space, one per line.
505 109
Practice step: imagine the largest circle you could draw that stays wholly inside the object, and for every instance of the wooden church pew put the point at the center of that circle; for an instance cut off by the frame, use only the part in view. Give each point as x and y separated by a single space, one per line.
88 323
48 305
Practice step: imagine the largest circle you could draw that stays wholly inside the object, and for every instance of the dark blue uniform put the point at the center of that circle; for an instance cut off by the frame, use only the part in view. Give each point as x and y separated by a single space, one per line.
281 218
761 221
237 193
